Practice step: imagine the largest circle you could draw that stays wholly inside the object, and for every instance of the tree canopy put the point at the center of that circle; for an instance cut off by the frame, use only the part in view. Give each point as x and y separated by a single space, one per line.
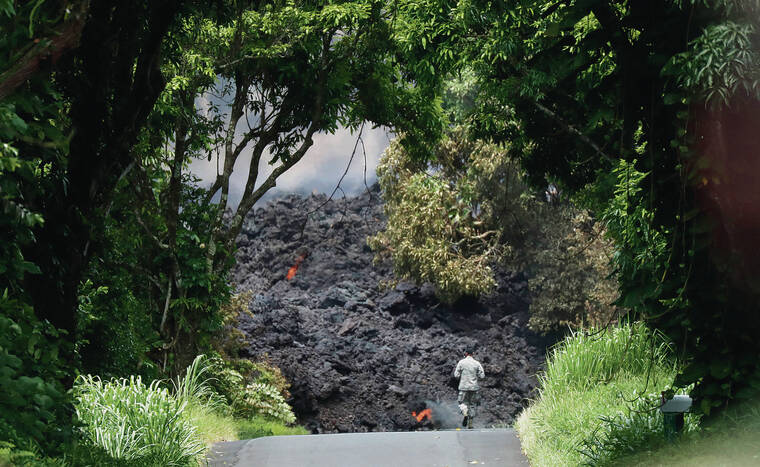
113 258
634 108
453 221
119 254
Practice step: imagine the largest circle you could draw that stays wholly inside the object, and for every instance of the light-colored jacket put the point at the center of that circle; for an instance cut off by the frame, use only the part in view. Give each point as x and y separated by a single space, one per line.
469 371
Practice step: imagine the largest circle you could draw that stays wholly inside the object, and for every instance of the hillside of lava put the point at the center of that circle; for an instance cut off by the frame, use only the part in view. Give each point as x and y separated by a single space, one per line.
363 356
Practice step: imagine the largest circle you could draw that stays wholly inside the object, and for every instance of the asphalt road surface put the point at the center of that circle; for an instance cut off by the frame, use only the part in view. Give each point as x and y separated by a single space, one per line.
452 448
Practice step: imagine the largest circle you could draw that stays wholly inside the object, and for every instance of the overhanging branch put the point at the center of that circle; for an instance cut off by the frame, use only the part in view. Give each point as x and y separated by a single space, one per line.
572 130
45 51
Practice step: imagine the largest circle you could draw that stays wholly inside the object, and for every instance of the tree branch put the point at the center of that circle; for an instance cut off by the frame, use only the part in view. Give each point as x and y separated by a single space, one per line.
47 50
158 241
166 306
572 130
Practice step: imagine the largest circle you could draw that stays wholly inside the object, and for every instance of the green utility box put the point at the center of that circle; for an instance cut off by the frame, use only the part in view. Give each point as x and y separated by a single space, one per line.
672 413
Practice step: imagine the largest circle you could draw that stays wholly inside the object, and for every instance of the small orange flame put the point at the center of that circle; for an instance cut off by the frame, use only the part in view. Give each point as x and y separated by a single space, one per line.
292 271
427 413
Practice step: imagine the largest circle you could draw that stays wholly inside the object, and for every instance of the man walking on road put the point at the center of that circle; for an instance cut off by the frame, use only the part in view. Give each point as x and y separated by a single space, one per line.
469 371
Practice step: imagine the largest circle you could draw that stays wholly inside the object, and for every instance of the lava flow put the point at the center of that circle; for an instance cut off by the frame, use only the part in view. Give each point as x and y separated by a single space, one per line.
427 413
292 271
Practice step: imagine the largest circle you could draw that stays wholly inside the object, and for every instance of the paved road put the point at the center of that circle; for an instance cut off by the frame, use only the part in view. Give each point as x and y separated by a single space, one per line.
414 449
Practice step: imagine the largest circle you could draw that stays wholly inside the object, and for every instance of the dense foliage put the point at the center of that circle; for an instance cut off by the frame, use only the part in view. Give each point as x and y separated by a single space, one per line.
454 219
114 260
251 389
30 374
669 88
598 399
432 233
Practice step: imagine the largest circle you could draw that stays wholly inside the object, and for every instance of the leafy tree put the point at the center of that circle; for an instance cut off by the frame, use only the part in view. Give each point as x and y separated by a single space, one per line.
99 105
32 143
77 80
450 221
99 110
288 70
433 234
111 257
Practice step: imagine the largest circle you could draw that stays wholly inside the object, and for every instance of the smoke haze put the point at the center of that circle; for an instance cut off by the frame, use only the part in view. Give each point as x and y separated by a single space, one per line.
319 170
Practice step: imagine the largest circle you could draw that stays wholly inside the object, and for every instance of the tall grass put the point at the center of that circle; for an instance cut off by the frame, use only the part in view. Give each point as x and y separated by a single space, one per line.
587 357
596 397
135 423
193 386
125 422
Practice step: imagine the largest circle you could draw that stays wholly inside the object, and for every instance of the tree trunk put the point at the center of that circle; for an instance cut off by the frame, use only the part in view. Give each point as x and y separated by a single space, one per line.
112 83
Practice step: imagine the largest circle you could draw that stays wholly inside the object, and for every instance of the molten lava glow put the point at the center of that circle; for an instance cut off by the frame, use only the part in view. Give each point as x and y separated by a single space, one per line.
427 413
292 271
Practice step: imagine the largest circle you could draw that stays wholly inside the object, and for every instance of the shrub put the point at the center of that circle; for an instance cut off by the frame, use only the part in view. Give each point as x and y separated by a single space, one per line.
229 339
225 379
260 398
434 232
589 407
251 388
451 221
265 372
571 279
135 423
31 399
30 455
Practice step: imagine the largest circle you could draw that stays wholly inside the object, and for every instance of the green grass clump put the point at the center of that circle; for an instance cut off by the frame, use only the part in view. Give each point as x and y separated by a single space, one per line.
136 423
125 422
212 425
590 408
587 358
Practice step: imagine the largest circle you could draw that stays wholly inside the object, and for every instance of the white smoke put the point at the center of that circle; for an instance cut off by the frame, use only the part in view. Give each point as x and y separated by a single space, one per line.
319 171
446 414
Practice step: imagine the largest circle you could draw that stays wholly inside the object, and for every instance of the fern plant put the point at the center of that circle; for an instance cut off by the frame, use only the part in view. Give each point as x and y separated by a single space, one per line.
264 399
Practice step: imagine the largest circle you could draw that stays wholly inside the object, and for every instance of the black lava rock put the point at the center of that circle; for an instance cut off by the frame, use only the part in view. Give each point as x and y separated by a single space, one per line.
357 354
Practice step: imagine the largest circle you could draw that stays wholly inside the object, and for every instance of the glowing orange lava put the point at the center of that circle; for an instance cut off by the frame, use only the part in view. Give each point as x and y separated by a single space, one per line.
292 271
427 413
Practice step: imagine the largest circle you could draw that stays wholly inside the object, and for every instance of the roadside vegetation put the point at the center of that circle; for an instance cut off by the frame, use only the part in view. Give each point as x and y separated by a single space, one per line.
114 259
598 398
125 422
732 439
598 405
